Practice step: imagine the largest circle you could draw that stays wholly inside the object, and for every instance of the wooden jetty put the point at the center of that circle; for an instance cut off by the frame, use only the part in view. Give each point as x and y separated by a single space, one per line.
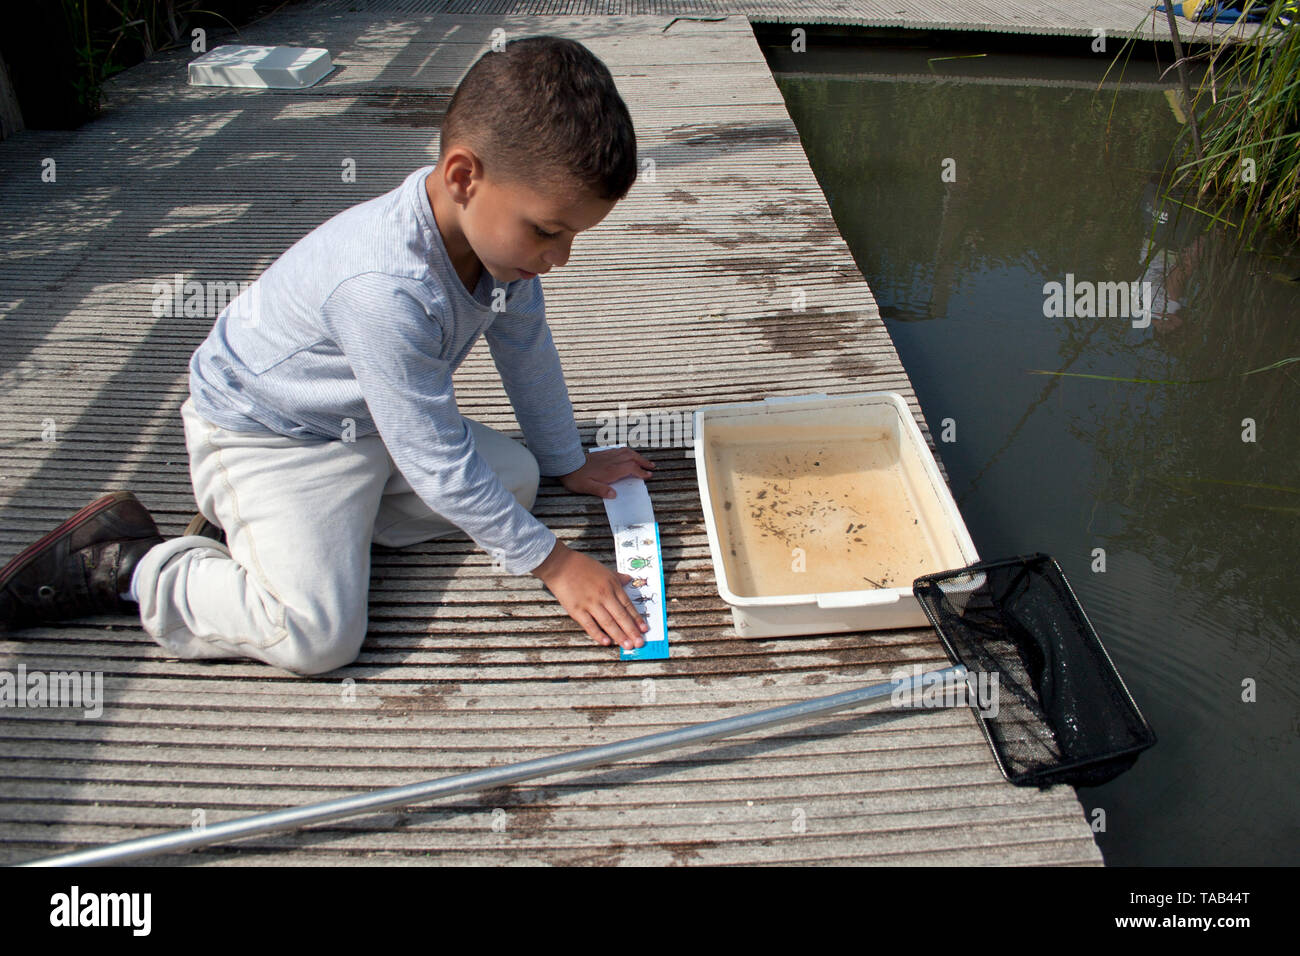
684 296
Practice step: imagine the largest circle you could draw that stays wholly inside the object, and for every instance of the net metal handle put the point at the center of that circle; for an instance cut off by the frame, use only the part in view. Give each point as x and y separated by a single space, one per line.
297 817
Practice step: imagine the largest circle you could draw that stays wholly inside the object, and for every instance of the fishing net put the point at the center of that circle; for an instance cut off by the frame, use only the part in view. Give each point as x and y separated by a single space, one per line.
1062 714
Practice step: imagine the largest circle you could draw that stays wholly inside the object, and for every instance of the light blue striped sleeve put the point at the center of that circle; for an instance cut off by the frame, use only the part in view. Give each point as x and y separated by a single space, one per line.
525 355
393 344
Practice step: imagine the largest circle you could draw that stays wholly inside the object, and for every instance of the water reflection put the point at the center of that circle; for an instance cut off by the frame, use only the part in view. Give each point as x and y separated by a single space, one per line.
1184 484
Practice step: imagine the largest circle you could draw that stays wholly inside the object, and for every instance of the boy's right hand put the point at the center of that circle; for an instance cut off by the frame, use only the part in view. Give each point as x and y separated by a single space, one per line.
593 596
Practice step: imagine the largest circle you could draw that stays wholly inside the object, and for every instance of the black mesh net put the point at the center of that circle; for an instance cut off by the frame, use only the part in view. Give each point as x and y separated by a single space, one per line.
1062 713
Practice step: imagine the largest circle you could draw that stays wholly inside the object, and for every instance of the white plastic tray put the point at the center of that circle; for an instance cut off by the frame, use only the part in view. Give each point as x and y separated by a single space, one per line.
816 601
261 67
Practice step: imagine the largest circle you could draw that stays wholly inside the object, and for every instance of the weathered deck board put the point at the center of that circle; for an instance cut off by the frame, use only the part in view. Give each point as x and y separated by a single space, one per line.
464 668
1118 18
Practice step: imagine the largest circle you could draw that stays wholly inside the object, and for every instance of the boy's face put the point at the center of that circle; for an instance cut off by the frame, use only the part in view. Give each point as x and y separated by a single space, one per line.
515 231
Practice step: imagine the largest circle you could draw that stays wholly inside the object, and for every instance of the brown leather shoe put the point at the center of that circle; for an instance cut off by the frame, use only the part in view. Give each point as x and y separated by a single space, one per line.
201 525
81 567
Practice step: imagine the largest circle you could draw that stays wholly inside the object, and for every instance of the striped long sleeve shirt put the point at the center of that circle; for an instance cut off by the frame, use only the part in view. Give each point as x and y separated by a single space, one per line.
365 319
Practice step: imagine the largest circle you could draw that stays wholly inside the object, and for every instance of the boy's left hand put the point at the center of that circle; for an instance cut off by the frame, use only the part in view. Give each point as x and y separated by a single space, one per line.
605 467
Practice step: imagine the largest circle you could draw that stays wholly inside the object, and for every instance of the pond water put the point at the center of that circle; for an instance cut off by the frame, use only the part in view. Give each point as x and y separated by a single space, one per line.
965 189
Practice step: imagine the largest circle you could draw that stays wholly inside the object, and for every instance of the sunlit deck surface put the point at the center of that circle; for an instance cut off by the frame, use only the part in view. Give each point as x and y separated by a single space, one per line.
684 296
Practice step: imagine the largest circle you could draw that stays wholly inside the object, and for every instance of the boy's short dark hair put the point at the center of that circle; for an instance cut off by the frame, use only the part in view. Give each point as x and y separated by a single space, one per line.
544 111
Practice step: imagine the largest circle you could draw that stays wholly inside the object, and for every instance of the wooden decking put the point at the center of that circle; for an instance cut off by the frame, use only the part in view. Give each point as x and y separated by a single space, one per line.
1115 18
682 297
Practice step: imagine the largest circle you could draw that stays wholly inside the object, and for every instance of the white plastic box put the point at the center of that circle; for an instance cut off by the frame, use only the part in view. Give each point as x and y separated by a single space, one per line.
822 511
261 67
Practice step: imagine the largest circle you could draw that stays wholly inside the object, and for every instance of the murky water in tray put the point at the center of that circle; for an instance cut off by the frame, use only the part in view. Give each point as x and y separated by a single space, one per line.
836 504
1184 485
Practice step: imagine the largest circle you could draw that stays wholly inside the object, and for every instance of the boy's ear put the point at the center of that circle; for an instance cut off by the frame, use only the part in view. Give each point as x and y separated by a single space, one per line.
460 169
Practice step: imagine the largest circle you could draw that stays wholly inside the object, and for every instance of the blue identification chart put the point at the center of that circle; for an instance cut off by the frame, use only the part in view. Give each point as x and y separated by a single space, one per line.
636 551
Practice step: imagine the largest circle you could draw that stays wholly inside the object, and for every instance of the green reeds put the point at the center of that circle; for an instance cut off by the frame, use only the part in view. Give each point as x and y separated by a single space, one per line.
1245 112
1248 108
111 35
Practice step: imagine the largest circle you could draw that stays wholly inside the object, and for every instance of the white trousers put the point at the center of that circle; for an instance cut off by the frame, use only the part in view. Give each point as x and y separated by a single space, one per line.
291 585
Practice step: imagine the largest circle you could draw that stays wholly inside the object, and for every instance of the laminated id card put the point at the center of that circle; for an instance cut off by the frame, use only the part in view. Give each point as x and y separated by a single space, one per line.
636 550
